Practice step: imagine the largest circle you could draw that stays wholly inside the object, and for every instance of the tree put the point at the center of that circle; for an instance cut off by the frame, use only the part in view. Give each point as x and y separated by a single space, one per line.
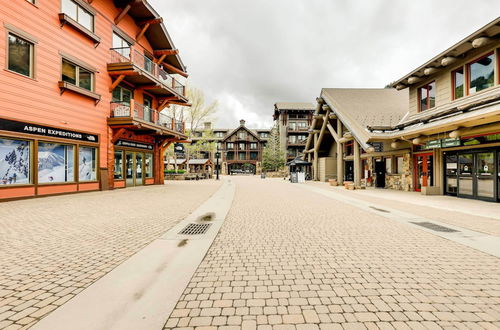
273 157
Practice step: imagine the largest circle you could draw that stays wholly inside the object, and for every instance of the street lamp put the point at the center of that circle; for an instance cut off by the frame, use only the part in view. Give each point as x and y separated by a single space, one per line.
217 156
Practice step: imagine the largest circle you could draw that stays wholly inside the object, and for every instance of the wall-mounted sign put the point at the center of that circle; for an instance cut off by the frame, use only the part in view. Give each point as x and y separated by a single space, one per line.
28 128
433 144
450 142
133 144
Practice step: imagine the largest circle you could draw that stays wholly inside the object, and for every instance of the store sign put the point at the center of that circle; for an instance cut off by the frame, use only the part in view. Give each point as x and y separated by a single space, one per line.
132 144
450 142
28 128
433 144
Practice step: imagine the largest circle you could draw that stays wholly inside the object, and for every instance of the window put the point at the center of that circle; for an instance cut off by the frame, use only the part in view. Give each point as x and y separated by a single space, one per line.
15 162
77 75
118 165
219 145
388 165
427 96
253 155
230 155
481 74
122 95
292 139
20 57
230 145
55 162
148 108
241 156
399 165
241 146
242 135
148 165
458 83
121 46
78 13
87 165
219 134
264 135
253 145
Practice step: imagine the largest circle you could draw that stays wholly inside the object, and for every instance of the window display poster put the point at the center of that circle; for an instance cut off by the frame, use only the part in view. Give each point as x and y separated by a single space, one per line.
87 164
14 162
55 162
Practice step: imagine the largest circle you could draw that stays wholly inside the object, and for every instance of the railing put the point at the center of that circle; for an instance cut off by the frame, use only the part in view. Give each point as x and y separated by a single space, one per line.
142 112
297 129
129 55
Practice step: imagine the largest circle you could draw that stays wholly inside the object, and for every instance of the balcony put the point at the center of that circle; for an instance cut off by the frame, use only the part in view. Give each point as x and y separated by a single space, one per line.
297 129
142 72
136 116
298 142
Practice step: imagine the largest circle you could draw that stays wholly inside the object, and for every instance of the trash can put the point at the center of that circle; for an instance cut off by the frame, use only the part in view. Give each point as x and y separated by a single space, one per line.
262 175
294 177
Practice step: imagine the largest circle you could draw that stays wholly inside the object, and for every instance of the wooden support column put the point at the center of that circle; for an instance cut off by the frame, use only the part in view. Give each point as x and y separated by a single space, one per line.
340 155
315 160
174 69
357 164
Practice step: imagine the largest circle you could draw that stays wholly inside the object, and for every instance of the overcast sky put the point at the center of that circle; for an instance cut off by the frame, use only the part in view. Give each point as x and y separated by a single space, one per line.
249 54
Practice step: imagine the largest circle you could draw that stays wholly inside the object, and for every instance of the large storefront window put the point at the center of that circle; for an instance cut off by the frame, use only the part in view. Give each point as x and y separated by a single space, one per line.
87 164
148 166
15 165
55 162
118 165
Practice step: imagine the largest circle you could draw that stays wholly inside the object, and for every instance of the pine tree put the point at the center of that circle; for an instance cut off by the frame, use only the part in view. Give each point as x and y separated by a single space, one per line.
273 157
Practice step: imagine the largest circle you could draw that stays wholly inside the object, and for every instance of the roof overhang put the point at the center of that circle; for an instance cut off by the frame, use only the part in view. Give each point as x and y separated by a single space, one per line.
484 35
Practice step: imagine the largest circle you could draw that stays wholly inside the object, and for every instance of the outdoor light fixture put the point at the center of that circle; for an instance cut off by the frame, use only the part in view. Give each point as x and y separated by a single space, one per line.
217 156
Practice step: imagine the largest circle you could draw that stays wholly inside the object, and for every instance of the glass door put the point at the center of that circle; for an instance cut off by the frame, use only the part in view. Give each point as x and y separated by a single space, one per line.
424 171
451 174
139 168
465 179
129 169
485 175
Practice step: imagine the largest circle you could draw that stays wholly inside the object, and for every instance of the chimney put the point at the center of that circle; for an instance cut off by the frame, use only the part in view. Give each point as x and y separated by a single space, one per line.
242 122
208 125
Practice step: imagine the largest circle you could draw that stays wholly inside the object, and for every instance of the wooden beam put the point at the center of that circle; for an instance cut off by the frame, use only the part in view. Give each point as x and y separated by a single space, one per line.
323 129
162 105
159 52
116 82
122 14
148 86
159 60
151 21
144 29
180 103
174 69
333 133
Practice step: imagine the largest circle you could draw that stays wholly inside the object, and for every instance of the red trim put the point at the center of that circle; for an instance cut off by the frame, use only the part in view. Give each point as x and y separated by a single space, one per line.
428 101
478 135
424 168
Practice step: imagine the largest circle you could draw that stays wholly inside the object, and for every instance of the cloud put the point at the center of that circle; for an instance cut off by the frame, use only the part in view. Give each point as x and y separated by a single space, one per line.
249 54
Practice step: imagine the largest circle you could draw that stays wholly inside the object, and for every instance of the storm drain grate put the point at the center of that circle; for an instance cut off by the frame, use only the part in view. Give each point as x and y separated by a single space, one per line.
195 229
433 226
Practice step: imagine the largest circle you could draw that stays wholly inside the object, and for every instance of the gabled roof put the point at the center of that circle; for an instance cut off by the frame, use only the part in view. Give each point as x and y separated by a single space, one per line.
294 106
156 34
491 30
254 134
178 161
359 108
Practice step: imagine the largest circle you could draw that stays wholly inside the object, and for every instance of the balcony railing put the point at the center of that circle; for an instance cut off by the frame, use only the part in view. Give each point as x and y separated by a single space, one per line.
297 129
137 110
129 55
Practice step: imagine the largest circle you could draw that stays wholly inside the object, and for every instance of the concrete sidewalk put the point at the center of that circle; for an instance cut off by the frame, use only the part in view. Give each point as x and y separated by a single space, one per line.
470 214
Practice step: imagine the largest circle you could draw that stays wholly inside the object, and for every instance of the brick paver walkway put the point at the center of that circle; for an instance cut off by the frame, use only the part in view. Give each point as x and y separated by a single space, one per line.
52 248
287 258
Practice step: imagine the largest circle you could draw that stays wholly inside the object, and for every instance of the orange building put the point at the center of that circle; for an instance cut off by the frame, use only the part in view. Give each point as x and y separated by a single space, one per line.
83 87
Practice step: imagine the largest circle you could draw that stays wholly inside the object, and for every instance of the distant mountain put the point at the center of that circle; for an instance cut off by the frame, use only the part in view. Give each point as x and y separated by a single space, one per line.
49 160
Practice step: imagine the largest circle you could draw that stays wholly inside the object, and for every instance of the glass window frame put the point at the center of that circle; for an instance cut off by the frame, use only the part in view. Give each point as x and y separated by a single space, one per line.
469 73
148 172
77 76
399 160
75 162
428 98
454 83
76 18
96 163
31 74
389 168
31 170
122 170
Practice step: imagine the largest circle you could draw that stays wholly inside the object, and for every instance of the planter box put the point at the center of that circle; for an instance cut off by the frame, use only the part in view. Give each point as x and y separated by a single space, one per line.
333 182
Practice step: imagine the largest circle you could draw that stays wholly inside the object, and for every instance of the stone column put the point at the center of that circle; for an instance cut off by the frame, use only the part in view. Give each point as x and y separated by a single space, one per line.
357 164
340 155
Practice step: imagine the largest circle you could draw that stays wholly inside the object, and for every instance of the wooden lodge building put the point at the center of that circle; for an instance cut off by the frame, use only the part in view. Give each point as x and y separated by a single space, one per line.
240 148
83 89
445 139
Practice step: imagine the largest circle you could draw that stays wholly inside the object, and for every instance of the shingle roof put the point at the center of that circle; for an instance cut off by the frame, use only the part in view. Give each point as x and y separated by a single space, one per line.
198 161
294 106
359 108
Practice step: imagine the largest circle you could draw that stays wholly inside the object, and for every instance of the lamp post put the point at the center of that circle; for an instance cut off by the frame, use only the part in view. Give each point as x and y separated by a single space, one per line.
217 156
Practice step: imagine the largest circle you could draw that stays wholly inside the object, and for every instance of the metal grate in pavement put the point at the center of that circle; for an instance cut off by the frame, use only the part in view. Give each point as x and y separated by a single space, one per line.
195 229
433 226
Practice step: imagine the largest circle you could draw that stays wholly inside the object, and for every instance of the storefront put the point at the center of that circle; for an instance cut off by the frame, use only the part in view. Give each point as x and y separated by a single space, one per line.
133 164
42 160
473 169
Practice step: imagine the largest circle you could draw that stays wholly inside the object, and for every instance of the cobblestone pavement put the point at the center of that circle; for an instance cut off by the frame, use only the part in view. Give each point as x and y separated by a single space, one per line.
288 258
482 224
52 248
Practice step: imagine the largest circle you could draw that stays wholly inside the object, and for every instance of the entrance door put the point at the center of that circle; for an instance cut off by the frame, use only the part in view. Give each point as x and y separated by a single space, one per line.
129 169
485 175
424 171
379 173
349 170
139 168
